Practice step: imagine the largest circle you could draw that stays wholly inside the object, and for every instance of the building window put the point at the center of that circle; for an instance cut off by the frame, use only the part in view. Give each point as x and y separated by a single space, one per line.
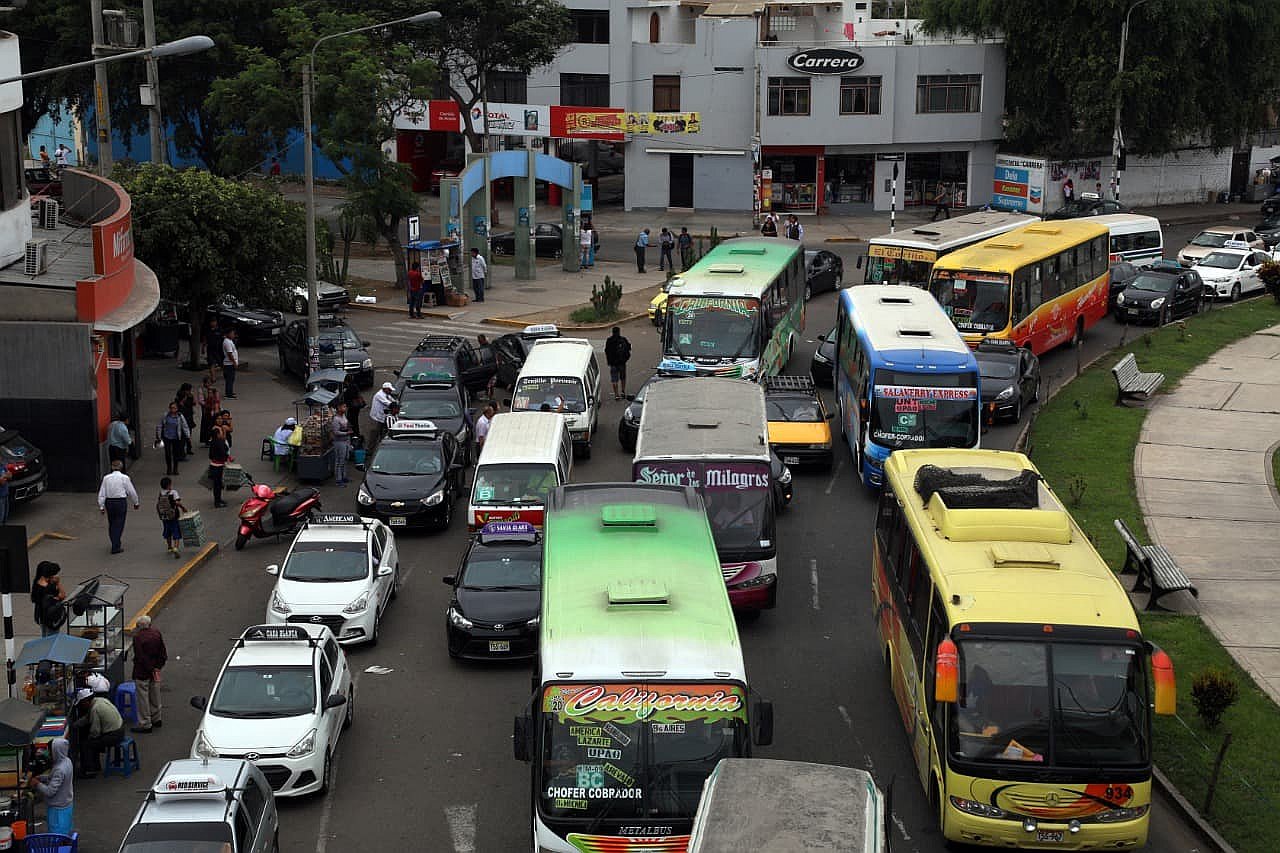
590 26
584 90
655 28
507 87
666 93
860 96
949 93
12 180
788 96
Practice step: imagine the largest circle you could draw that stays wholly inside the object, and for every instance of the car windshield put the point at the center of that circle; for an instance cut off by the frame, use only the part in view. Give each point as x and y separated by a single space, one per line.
414 459
513 484
796 408
1061 704
265 691
712 327
1212 239
16 449
324 562
998 368
974 302
558 393
517 567
424 408
333 339
1152 283
924 410
1222 261
178 837
428 368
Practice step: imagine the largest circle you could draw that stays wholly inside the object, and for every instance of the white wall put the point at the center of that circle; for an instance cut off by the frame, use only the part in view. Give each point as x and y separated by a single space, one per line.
1189 176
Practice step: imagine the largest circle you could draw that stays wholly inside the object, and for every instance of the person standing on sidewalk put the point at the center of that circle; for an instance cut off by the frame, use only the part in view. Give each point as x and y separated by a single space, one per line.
219 455
642 244
340 430
355 403
186 400
47 596
769 227
173 433
479 269
941 202
213 348
585 242
617 352
57 788
666 245
114 496
230 362
168 507
210 402
119 440
149 657
416 289
685 243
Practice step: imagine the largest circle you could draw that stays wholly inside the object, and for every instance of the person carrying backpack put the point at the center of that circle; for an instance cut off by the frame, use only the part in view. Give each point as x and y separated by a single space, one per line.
617 352
168 507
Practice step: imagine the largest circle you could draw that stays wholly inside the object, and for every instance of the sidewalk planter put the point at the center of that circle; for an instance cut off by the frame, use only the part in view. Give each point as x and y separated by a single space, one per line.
313 469
456 300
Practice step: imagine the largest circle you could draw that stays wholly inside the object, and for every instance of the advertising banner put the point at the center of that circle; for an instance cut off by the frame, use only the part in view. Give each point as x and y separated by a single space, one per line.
1019 183
736 476
663 122
512 119
587 123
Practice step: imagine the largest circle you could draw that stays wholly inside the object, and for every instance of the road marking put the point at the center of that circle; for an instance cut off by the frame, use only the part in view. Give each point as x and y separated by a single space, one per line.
462 827
902 827
848 721
326 811
835 475
813 582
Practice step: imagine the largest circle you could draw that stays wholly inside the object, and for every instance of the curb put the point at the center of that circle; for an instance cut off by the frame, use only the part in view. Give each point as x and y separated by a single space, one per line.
1189 812
516 323
48 534
364 306
843 240
158 599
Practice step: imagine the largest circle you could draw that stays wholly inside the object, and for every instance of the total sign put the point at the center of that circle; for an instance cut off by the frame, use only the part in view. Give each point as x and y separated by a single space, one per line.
512 119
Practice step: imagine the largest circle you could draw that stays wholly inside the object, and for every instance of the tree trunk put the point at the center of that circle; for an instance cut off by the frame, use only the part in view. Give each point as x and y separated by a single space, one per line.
195 314
392 235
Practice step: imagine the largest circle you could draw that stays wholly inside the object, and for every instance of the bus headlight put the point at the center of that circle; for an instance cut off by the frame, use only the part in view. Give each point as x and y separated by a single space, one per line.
976 808
1118 815
1157 303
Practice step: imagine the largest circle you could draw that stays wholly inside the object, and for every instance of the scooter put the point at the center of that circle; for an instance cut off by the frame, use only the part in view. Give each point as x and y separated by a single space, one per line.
268 512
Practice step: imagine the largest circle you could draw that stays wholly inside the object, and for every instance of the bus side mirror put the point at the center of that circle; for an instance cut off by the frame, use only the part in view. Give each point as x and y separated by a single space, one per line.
1166 685
946 674
522 736
764 722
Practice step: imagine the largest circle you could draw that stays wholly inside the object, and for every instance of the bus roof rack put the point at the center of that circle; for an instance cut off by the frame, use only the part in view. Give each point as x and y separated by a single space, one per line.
977 491
789 383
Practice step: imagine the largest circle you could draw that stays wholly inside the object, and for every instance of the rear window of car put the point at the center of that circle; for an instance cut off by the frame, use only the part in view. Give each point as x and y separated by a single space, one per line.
14 447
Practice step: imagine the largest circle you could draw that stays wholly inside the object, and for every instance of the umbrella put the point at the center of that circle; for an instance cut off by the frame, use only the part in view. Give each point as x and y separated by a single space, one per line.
19 722
57 648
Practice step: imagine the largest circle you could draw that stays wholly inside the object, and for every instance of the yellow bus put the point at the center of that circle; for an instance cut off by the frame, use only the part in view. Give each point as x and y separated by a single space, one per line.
1014 655
1041 285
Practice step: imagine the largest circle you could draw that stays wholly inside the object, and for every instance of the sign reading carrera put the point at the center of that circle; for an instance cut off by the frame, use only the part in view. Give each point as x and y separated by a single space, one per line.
825 60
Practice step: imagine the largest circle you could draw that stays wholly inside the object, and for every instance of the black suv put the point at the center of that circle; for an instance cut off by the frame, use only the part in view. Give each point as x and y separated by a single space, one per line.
448 358
340 348
25 464
1158 297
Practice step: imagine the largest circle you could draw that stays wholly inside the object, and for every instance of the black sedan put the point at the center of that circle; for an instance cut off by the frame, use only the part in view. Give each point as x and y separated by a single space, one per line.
496 594
1271 205
439 407
1158 297
339 349
629 424
1010 379
547 241
254 325
24 463
1089 204
1122 272
1268 230
413 481
822 367
823 271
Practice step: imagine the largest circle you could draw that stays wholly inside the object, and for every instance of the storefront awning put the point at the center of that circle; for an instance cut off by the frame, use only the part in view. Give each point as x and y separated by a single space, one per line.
734 8
731 152
137 307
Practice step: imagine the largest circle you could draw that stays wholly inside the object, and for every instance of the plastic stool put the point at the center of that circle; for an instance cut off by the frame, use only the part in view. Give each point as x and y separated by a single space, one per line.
268 449
122 758
127 701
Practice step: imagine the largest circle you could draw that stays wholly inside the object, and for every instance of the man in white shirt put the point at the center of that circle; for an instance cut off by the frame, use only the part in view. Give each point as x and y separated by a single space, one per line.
482 427
378 411
230 361
479 269
114 496
62 157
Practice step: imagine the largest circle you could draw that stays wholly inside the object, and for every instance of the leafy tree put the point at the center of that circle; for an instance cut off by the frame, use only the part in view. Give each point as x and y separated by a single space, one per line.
1195 70
207 237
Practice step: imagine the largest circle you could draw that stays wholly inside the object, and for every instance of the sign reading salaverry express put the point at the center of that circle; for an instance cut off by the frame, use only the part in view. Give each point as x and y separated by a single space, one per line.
705 475
825 60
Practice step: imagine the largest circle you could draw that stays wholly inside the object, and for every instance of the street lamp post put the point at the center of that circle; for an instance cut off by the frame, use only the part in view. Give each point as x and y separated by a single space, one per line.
308 161
1117 140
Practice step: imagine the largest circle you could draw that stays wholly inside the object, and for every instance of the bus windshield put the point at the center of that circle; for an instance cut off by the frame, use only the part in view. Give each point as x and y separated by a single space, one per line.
1060 704
713 327
736 494
924 410
896 270
975 302
626 751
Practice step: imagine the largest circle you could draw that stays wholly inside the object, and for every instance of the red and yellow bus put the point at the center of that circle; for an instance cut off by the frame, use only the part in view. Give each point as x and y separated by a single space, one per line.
1014 655
1040 285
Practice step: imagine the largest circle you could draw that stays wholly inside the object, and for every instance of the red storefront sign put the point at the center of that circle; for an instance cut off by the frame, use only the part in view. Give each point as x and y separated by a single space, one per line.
587 123
444 115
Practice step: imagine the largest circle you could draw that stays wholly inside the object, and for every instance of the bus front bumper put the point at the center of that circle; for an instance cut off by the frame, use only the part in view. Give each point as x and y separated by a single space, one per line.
992 832
750 586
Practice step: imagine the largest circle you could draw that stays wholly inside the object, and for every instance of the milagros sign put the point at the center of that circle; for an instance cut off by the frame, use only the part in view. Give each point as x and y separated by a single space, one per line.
736 476
825 60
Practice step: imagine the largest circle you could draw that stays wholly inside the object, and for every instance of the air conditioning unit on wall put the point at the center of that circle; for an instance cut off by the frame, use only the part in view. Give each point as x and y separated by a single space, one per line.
50 210
37 256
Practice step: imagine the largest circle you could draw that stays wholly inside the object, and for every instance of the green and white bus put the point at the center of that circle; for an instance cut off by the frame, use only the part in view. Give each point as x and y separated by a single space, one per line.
640 683
738 312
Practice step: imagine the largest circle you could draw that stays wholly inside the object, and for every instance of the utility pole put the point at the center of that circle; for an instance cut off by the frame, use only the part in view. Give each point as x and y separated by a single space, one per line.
1117 139
159 148
101 94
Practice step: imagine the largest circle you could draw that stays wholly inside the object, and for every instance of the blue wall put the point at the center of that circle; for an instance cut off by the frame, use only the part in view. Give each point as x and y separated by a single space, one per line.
138 148
49 133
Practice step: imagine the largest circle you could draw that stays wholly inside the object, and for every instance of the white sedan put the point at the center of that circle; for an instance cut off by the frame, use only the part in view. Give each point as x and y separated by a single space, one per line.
1230 272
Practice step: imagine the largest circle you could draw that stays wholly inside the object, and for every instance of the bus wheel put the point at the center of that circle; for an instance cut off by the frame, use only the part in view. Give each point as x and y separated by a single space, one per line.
1079 336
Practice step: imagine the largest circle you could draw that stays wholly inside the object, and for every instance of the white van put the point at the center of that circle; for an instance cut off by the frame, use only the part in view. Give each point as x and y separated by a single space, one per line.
525 456
561 375
1135 239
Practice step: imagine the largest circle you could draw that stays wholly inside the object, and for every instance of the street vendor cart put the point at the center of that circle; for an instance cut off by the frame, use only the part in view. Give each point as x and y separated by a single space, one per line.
441 265
21 741
314 413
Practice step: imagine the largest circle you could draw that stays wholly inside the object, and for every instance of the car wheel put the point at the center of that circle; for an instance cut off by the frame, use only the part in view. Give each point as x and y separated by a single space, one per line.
377 629
1163 316
558 253
808 292
1235 293
299 305
448 514
351 710
839 281
327 780
395 583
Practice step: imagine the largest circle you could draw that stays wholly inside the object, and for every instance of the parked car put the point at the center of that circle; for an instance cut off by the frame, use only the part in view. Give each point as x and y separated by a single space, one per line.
339 348
547 241
1216 238
823 271
1158 297
254 325
25 464
822 367
1010 379
206 804
497 594
1268 230
1271 205
1088 204
331 297
1231 271
1122 272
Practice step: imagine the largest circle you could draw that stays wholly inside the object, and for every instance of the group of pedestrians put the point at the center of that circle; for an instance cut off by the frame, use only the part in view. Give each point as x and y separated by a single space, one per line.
668 243
791 227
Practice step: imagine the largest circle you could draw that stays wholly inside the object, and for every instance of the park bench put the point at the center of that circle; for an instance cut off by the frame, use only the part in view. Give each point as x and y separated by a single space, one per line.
1133 384
1156 569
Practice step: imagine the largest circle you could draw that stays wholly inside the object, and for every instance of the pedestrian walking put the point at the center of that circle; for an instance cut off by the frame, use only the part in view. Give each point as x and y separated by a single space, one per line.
114 496
355 403
230 363
173 433
186 400
57 788
378 412
941 201
769 227
666 245
685 243
210 403
1068 191
168 508
119 440
416 288
47 596
98 726
213 348
219 455
617 352
149 658
479 269
5 477
482 426
340 431
586 240
642 244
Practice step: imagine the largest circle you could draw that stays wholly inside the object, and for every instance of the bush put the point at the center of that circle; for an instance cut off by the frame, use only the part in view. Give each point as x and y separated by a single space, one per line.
1213 691
605 298
1270 275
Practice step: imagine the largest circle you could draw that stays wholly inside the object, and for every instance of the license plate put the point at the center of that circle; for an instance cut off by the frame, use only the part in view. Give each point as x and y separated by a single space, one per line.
505 646
275 331
1133 312
39 487
1049 835
791 460
398 521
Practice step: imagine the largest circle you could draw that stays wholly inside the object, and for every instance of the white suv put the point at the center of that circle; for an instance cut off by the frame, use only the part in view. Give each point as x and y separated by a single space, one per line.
341 571
282 699
209 804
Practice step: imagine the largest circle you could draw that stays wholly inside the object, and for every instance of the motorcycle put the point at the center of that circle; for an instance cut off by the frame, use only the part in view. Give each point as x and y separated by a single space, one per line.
268 512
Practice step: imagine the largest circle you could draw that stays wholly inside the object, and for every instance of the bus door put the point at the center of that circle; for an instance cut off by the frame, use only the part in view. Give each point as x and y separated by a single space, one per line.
912 589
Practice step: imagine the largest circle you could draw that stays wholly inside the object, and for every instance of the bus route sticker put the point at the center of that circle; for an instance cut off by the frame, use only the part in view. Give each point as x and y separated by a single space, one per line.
618 734
626 779
484 493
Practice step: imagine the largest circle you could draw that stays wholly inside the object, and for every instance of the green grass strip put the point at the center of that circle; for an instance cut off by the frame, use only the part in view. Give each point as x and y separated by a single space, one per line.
1084 445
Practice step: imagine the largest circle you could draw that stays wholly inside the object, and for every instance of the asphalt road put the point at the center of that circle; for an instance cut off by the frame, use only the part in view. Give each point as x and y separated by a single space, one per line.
428 763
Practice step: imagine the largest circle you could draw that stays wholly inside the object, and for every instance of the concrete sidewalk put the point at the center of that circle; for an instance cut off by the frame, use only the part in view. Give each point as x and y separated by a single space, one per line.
1203 474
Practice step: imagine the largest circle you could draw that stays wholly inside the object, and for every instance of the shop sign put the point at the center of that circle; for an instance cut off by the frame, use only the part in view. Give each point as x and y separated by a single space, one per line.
587 123
663 122
1019 183
825 60
927 255
511 119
